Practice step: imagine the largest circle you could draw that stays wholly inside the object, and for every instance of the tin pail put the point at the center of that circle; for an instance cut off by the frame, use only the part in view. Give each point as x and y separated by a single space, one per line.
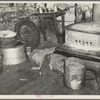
74 74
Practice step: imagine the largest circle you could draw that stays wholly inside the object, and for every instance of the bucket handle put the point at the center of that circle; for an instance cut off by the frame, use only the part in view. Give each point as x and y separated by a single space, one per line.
91 71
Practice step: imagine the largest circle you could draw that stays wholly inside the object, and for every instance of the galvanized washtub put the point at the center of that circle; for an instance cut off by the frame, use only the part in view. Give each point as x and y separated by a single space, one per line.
14 55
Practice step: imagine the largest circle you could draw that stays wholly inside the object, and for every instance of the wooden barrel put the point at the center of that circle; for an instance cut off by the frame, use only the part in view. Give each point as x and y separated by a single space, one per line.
14 55
7 38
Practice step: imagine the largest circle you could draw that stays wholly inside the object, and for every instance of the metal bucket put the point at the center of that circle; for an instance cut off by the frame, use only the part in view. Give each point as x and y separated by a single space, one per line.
74 74
7 38
14 55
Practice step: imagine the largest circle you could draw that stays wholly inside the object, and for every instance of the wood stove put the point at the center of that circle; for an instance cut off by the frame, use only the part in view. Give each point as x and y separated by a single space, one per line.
83 37
82 40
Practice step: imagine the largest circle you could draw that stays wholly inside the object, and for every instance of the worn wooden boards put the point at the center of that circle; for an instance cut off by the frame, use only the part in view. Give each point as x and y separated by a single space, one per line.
21 80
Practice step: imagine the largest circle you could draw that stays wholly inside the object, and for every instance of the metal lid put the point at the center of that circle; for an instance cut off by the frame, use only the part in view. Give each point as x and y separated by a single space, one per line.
90 27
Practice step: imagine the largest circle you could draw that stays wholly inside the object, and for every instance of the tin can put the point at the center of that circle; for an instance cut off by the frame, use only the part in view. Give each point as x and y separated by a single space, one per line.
55 8
40 10
28 49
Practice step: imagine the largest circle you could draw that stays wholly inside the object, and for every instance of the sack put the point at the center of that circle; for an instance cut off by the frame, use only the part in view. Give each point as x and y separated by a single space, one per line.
57 62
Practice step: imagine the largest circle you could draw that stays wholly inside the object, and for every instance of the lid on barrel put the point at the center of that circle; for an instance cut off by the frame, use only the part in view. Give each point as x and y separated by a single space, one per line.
7 34
90 27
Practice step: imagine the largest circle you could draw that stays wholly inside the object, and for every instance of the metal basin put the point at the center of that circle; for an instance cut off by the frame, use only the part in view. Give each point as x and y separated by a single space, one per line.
14 55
